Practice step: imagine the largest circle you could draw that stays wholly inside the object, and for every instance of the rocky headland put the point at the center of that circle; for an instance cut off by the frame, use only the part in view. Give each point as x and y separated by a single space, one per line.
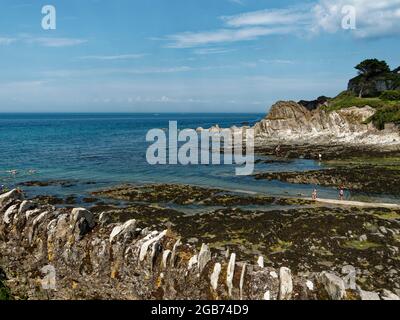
366 115
354 136
291 123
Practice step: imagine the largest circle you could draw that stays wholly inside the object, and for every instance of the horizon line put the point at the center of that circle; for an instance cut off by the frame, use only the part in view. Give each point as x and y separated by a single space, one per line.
126 112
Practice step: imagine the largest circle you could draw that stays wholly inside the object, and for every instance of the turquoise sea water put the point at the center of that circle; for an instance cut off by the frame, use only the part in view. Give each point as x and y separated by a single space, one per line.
109 149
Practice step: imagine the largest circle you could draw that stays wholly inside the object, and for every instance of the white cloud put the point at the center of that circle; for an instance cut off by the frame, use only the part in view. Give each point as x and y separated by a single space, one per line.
55 42
373 19
206 51
43 41
198 39
271 17
276 61
156 70
6 41
116 71
240 2
114 57
22 84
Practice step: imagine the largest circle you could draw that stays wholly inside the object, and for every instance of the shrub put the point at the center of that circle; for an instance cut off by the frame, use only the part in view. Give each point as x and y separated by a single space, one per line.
390 95
388 114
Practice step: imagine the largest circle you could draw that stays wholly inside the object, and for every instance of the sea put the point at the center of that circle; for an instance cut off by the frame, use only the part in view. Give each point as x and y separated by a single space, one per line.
96 151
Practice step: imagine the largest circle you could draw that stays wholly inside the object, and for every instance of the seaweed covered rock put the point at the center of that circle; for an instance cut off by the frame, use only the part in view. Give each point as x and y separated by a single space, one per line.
48 256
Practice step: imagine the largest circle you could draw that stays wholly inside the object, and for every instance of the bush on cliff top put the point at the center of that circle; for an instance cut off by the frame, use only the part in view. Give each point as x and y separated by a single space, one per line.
389 114
390 95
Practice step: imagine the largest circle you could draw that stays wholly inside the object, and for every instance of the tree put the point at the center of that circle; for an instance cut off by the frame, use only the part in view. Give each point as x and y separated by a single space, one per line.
370 68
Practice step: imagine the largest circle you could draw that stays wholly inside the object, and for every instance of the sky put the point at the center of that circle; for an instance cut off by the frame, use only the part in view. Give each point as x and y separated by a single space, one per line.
187 55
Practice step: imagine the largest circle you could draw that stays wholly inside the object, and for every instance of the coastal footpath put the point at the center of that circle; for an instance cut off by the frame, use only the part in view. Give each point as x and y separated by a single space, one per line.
92 259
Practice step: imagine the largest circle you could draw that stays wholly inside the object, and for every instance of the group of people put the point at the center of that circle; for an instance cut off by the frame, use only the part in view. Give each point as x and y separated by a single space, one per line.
341 194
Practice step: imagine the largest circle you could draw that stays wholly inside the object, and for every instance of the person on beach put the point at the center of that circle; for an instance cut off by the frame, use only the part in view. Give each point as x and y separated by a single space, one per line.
315 195
341 193
278 150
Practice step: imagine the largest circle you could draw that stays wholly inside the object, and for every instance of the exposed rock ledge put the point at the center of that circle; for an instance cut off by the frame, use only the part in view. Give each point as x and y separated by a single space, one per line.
122 261
290 122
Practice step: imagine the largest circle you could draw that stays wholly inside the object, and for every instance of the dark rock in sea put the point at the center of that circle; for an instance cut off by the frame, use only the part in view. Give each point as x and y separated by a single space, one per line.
188 195
47 183
89 200
314 104
71 200
355 178
328 152
60 183
274 161
48 199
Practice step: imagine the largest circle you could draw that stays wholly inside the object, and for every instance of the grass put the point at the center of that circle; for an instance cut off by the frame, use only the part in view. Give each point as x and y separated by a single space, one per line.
387 114
360 245
347 100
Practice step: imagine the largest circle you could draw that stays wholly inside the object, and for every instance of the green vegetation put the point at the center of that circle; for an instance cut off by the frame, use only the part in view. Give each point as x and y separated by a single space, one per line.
347 99
373 78
281 246
387 114
390 95
360 245
372 67
4 292
388 215
387 105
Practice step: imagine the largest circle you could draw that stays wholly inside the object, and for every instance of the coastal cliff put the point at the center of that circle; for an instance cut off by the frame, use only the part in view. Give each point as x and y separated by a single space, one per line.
367 113
291 122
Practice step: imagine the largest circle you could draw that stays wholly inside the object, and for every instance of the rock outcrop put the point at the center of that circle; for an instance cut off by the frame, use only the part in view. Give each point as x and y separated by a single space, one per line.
314 104
51 253
291 122
376 84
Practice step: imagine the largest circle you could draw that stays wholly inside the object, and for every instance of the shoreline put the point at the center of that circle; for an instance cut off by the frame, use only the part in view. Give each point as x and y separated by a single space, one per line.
308 243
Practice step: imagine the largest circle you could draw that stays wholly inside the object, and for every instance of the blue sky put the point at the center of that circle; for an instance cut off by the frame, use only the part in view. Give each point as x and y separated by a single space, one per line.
185 55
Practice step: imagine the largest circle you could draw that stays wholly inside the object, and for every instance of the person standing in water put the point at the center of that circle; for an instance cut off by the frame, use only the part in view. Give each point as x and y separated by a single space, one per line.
341 193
